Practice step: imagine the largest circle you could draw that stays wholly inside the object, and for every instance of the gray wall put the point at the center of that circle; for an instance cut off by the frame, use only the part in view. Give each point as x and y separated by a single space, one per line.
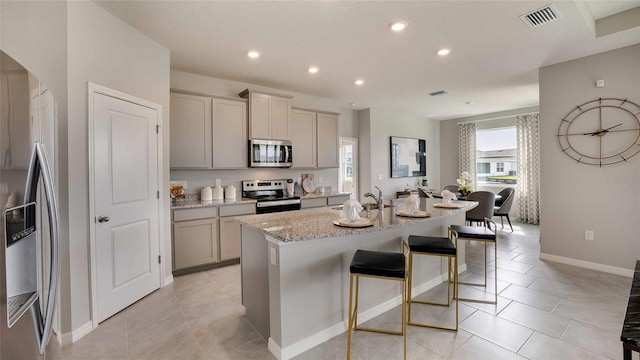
67 44
577 197
210 85
35 34
106 51
375 127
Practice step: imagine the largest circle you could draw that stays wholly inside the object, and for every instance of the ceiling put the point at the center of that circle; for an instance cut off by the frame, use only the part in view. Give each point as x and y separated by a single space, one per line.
493 64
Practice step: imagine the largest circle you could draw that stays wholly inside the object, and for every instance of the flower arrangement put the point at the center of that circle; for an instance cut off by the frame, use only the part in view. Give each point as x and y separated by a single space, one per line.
464 183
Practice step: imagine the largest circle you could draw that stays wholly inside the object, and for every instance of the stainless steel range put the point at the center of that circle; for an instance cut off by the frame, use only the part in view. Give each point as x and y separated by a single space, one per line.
270 195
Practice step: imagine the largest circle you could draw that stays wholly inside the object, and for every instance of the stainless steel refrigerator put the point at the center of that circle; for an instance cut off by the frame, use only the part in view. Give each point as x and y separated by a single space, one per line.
29 229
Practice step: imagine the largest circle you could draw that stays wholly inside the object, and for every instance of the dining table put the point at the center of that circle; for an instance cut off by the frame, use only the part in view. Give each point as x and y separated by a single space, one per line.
460 196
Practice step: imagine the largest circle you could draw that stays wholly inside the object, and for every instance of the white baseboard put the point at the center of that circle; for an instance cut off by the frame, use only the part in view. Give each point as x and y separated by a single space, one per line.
75 335
167 280
339 328
588 265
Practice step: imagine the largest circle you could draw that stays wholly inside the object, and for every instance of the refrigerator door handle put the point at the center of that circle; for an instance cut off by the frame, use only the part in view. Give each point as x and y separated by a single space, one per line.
39 167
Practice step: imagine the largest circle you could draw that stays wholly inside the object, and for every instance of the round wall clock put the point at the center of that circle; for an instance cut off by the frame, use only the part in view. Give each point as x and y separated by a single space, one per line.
601 132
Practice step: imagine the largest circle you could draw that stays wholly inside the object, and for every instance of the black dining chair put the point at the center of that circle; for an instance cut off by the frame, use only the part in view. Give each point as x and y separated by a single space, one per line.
503 206
484 209
452 188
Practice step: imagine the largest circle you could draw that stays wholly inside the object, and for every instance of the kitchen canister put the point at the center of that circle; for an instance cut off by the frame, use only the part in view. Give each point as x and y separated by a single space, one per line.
230 192
206 193
218 193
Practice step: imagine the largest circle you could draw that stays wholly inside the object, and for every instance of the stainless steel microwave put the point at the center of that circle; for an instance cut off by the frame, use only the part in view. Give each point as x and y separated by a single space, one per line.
270 153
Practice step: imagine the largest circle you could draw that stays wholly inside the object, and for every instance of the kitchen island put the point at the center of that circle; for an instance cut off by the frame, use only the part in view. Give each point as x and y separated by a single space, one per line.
295 270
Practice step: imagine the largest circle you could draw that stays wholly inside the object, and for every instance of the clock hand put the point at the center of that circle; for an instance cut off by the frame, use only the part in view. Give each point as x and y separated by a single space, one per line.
604 131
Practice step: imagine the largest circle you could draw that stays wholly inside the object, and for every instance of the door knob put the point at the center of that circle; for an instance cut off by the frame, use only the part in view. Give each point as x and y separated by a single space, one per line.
103 219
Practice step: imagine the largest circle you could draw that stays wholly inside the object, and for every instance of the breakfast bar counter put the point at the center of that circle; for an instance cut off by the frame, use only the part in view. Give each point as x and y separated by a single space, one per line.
295 269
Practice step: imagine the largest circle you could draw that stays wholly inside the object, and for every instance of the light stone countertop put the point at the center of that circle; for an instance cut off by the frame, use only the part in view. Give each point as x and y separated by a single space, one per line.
317 223
190 204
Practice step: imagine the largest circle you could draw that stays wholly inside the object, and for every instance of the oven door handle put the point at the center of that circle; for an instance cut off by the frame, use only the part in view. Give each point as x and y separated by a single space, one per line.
263 204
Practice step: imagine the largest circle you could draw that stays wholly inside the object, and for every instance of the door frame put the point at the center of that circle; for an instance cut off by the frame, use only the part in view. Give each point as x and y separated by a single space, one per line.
92 90
356 177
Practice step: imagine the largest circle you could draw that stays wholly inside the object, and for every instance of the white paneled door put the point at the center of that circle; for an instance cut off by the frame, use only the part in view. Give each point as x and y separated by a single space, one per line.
125 164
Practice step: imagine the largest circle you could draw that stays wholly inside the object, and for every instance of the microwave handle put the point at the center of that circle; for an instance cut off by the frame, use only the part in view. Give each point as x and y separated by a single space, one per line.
286 154
39 167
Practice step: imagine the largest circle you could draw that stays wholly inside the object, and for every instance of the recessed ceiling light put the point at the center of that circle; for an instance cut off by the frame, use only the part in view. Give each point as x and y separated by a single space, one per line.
470 102
443 52
352 104
359 82
313 69
398 26
253 54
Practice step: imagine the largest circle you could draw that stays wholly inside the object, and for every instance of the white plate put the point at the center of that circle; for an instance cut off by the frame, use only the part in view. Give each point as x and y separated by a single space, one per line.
447 206
308 185
419 214
356 224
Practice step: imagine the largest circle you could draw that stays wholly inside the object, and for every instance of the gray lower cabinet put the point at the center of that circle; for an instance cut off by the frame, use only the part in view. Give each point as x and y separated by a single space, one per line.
195 242
207 235
337 200
229 239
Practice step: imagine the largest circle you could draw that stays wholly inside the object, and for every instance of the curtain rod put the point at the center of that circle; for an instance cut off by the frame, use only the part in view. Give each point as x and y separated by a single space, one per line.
498 118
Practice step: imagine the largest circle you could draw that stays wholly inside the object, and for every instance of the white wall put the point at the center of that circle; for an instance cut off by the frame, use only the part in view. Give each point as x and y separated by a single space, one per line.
376 126
210 85
106 51
576 197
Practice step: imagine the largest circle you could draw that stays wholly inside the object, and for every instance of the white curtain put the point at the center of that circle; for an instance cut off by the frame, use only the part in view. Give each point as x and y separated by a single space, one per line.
528 193
467 150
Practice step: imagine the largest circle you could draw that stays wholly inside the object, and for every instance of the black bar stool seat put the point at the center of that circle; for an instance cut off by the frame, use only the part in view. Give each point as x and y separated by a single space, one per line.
485 235
380 265
434 246
376 263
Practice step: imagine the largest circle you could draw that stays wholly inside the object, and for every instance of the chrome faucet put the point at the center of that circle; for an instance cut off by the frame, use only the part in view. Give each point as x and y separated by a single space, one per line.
378 199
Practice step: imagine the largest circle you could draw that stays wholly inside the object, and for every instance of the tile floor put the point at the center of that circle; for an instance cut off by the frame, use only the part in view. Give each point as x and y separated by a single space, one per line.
545 311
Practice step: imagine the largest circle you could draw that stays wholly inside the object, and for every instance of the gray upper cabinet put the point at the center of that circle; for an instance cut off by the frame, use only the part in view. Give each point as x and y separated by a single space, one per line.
190 131
327 133
230 141
208 132
303 138
269 115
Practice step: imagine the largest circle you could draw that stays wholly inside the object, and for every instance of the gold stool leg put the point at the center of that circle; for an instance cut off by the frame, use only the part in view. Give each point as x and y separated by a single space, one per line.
408 288
350 318
404 318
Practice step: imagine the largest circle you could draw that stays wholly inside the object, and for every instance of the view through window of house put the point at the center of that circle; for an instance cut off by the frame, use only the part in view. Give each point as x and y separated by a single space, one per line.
496 156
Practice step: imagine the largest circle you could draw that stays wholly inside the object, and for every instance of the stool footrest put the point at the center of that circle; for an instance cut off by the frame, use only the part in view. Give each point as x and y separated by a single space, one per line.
431 303
478 301
473 284
382 331
452 328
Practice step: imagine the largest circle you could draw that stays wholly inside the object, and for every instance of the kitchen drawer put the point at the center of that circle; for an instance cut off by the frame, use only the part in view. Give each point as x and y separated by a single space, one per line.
194 214
233 210
337 200
314 202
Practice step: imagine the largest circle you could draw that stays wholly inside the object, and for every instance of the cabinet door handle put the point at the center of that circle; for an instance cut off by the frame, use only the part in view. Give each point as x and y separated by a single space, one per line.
103 219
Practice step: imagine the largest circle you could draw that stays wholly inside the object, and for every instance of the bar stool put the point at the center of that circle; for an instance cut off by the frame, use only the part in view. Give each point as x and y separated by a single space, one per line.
435 246
379 265
485 235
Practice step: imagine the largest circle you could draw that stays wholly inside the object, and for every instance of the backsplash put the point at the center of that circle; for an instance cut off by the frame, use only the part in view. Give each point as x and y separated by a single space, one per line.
196 179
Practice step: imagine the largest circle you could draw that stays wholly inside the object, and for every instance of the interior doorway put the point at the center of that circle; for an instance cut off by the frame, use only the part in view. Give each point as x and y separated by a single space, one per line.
348 176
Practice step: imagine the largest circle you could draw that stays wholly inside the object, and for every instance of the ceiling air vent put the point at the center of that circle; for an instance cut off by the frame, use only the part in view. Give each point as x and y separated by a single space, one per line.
541 16
441 92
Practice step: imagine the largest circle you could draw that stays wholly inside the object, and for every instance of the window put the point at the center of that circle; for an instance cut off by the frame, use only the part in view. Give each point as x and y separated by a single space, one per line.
496 156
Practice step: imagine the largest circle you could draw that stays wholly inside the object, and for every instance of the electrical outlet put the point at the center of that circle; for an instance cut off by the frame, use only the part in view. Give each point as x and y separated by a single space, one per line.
379 176
274 256
588 234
